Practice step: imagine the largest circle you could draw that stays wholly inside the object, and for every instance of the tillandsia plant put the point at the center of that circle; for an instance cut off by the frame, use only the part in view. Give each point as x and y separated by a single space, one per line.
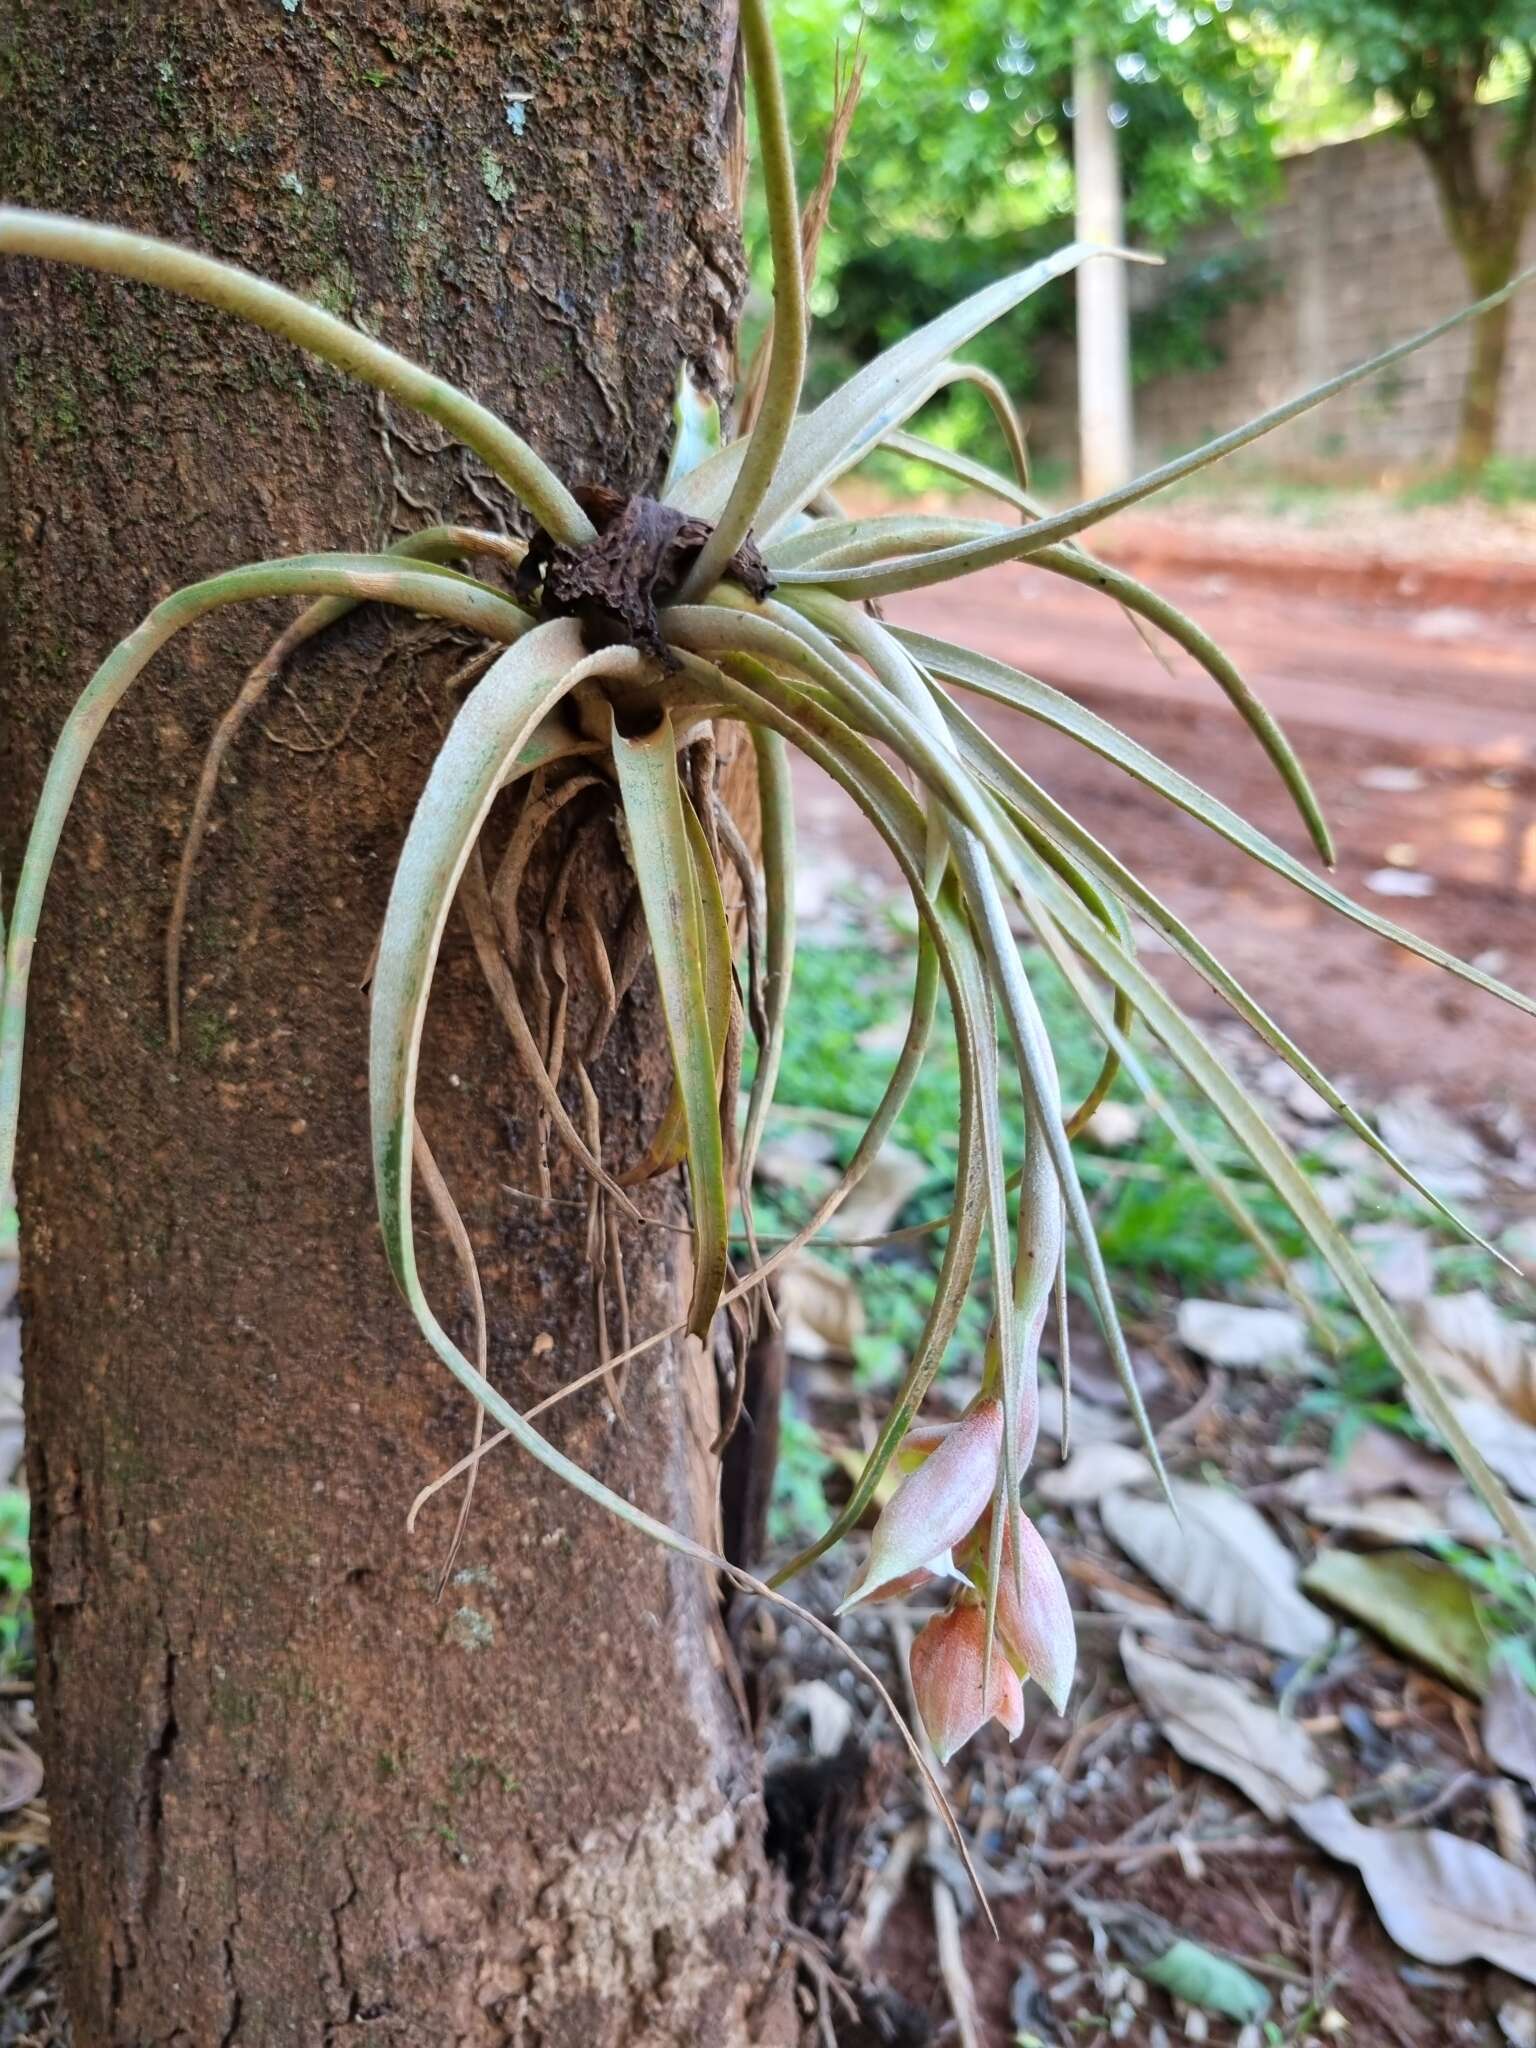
633 627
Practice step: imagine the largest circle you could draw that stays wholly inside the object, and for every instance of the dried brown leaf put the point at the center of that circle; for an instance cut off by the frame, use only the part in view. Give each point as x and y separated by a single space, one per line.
1225 1727
1223 1560
1442 1899
1509 1722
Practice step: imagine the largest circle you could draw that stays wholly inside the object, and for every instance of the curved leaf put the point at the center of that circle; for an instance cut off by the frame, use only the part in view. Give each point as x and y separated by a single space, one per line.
1235 1106
844 427
433 544
679 921
917 573
359 578
59 239
754 475
998 769
776 809
479 756
1010 686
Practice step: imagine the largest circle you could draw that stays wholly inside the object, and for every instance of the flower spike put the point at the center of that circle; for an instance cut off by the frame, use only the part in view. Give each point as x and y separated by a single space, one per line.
938 1504
1035 1625
947 1682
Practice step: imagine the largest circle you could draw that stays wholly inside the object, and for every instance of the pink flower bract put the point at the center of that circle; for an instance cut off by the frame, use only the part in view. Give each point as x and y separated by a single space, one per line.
947 1681
1037 1631
938 1504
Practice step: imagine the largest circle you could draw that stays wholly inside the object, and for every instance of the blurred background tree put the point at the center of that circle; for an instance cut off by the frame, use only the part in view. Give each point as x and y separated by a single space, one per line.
1432 65
959 165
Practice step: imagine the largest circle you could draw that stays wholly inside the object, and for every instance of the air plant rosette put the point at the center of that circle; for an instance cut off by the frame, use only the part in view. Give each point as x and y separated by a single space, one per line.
743 593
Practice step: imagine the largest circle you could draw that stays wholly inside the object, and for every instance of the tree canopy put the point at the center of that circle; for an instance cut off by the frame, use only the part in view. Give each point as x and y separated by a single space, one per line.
959 162
1437 64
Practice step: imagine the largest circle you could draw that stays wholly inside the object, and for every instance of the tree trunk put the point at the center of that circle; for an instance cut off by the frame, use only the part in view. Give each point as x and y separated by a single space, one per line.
295 1800
1485 226
1477 428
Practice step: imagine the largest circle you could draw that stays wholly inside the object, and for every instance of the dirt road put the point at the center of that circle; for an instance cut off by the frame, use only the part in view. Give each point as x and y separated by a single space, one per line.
1363 685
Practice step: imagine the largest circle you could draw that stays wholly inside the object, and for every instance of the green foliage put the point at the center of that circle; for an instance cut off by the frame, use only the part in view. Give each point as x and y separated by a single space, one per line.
1158 1223
959 164
799 1504
689 631
1424 55
1177 331
1159 1227
1502 482
15 1582
1505 1595
965 123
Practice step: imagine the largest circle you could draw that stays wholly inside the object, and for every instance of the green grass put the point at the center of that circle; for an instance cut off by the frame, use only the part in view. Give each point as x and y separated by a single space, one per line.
1503 482
1158 1223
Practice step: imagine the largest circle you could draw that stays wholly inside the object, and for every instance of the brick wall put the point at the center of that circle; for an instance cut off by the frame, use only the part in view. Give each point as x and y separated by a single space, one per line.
1355 256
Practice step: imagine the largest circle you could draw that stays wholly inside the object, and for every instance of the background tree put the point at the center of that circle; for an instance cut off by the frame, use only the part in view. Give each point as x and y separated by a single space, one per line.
1436 62
960 165
294 1800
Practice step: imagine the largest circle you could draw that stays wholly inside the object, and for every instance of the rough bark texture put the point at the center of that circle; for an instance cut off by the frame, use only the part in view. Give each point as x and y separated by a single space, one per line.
294 1799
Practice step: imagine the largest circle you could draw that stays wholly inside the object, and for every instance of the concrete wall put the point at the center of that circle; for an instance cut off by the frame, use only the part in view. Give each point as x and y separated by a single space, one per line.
1356 257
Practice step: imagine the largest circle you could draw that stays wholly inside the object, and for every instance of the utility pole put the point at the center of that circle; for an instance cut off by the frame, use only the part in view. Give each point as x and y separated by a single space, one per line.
1106 446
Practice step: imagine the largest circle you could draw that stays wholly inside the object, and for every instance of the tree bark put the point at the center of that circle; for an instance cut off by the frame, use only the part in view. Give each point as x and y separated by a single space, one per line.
1477 428
295 1800
1486 207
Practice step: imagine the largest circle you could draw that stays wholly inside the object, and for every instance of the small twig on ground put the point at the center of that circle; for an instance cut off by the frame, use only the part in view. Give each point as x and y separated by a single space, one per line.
1186 1423
819 1966
888 1884
1128 1846
1135 1858
1447 1795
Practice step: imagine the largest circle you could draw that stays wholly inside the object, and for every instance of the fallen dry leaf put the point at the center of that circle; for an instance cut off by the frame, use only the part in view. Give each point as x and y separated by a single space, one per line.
1470 1522
802 1159
1279 1080
1509 1722
1400 882
1384 1518
1114 1125
1473 1347
21 1772
1398 1259
1222 1559
1097 1469
820 1308
894 1177
1247 1339
1442 1899
1443 1152
1420 1606
1377 1461
1225 1727
1092 1422
828 1715
1508 1444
